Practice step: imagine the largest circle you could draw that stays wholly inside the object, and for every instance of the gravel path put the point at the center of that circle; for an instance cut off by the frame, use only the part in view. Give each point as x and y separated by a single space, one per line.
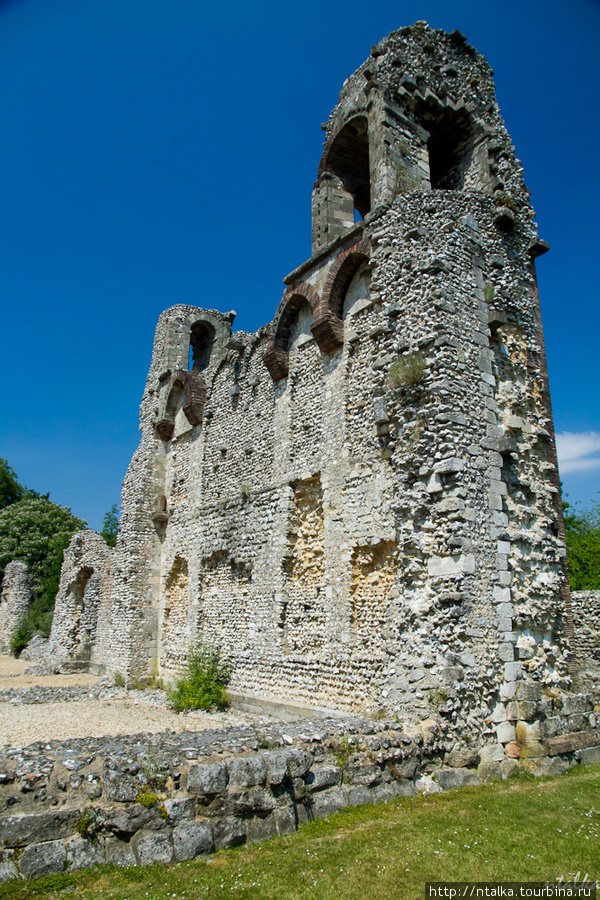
123 712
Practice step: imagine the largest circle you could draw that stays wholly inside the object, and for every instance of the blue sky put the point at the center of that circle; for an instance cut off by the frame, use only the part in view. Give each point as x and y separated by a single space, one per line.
156 152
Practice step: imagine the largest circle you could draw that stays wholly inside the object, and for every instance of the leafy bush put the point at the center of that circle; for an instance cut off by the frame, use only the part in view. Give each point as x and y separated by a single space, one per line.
202 684
582 532
407 370
110 527
20 637
37 532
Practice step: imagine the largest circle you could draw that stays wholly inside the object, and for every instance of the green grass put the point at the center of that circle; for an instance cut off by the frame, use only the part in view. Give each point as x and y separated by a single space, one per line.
522 830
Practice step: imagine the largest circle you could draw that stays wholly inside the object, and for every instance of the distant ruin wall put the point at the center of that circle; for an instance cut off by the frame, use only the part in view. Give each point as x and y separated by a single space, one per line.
15 600
81 620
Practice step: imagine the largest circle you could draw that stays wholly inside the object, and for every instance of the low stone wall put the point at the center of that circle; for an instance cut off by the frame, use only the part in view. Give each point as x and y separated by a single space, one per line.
144 798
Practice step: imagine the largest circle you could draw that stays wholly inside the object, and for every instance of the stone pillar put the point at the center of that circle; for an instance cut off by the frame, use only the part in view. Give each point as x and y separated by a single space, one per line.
15 600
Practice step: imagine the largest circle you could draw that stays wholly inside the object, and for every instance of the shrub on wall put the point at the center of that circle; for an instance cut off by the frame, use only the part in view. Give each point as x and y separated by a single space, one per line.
202 684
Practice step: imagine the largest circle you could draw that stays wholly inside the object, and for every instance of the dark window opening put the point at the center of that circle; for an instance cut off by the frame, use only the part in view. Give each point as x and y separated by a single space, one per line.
348 158
202 337
449 145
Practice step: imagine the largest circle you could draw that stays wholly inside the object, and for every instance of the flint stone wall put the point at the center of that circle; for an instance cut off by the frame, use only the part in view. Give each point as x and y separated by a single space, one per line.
171 797
79 624
351 537
586 619
15 600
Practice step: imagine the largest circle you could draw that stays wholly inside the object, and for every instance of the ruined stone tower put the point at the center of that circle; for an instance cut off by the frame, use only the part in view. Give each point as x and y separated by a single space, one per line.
359 502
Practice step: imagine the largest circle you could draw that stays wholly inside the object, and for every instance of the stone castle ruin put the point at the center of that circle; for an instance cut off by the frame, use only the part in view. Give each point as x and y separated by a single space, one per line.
359 503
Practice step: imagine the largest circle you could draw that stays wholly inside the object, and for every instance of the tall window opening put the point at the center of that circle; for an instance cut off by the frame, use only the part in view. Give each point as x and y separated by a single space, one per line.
202 337
449 146
348 159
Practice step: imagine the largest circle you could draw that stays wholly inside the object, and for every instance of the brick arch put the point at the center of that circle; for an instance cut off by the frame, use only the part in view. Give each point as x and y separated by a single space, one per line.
276 356
341 274
193 386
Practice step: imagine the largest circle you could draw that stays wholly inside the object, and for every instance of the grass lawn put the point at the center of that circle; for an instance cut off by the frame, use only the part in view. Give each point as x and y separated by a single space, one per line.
525 829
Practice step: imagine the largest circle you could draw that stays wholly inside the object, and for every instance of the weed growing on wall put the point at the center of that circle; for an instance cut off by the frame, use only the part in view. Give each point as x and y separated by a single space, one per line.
202 684
407 370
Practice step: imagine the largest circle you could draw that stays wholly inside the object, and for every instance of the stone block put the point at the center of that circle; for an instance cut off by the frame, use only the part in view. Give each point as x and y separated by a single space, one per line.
129 819
43 859
285 820
528 690
491 753
191 839
512 711
324 777
229 831
512 750
82 853
455 778
180 809
506 652
505 732
512 670
328 802
299 762
462 757
207 778
576 703
567 743
357 796
489 771
367 774
261 829
578 722
590 755
120 853
277 765
8 867
527 710
502 594
119 786
542 768
152 846
403 788
554 726
23 829
247 771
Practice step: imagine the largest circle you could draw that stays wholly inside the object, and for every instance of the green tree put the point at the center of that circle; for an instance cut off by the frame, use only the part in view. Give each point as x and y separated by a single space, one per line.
37 532
111 525
582 531
10 489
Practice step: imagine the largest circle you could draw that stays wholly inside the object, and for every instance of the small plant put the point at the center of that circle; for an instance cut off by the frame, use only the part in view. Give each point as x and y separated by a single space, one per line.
438 696
404 181
20 637
86 824
407 371
246 489
488 292
119 679
202 684
341 751
147 799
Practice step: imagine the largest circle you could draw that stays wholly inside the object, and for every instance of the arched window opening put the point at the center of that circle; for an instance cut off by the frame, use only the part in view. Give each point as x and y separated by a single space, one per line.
449 146
348 159
300 332
202 337
358 295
